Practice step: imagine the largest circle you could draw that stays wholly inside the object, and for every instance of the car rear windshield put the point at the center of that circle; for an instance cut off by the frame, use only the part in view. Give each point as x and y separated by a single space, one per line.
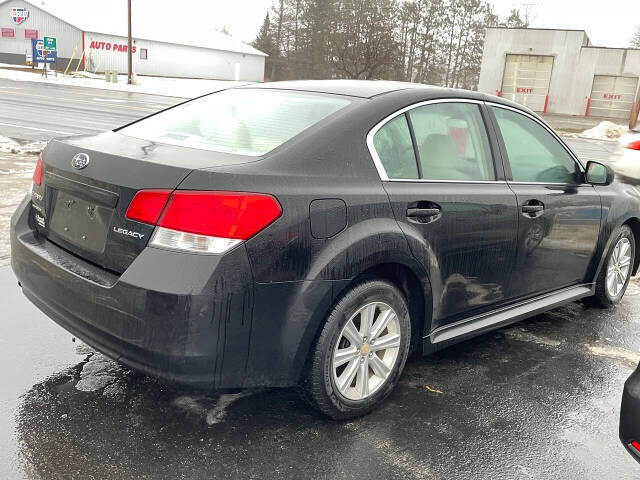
242 121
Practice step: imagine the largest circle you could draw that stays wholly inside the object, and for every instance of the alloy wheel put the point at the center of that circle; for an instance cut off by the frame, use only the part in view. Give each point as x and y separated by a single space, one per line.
366 351
619 267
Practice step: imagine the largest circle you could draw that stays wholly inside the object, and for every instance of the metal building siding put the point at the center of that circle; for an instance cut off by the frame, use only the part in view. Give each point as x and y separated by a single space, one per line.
166 59
612 96
68 36
575 65
526 80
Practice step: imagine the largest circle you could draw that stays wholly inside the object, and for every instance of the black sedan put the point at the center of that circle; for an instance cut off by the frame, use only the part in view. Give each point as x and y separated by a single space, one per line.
313 233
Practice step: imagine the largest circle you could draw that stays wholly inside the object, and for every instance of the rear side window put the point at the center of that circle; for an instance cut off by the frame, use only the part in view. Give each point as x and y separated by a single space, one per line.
395 149
534 154
452 142
242 121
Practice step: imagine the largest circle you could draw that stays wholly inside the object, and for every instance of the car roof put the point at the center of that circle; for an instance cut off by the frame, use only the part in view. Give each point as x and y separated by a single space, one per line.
383 89
352 88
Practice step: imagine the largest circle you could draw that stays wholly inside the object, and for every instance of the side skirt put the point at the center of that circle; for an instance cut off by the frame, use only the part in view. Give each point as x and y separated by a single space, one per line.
485 322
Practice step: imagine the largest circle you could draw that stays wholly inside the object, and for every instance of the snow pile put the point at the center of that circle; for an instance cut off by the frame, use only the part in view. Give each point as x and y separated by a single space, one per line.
604 131
172 87
8 145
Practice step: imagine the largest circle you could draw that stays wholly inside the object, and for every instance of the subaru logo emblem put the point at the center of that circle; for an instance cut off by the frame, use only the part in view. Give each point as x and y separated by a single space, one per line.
80 160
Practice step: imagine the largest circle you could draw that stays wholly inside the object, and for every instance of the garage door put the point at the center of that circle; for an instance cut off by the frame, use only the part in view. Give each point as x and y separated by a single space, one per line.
526 80
612 96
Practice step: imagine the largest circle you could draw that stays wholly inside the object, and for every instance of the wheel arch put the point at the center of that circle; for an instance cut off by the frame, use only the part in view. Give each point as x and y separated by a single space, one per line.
634 224
414 286
416 292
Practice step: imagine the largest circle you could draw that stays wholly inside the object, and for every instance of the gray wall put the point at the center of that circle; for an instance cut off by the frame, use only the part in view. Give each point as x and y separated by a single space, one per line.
576 61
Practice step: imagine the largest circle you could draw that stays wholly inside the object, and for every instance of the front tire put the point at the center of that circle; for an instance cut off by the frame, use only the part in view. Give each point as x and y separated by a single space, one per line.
615 274
361 351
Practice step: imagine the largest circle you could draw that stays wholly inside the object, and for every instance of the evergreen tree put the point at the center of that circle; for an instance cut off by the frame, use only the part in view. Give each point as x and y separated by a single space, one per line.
265 43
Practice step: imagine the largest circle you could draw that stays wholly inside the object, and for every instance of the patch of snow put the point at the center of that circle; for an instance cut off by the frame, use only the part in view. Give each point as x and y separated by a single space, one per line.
93 383
217 414
8 145
604 131
615 353
172 87
201 406
522 335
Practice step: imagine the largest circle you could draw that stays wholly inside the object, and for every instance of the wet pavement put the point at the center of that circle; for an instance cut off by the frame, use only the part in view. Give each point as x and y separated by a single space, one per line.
536 400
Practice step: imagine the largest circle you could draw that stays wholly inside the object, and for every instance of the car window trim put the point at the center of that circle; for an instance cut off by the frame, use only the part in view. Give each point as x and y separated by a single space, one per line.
505 155
380 167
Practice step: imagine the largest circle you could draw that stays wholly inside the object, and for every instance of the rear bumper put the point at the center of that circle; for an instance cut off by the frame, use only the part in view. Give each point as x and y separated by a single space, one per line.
630 413
180 317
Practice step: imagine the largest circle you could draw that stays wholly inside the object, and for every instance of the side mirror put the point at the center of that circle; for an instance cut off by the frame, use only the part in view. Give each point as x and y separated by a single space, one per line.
599 174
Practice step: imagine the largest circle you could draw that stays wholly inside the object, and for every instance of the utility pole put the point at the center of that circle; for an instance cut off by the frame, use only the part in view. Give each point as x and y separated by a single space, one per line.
129 46
635 112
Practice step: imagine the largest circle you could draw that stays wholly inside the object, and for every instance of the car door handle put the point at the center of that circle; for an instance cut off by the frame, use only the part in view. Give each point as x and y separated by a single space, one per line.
532 208
422 212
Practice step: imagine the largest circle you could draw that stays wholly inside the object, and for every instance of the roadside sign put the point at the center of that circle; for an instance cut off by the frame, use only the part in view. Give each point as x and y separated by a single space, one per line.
50 44
41 54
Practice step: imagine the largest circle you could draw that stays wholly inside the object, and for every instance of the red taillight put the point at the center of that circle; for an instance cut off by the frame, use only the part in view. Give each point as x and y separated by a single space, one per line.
236 215
147 205
203 222
634 145
636 445
37 174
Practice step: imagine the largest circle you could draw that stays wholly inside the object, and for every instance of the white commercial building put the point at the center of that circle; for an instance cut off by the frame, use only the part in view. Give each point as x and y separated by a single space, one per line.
559 71
94 34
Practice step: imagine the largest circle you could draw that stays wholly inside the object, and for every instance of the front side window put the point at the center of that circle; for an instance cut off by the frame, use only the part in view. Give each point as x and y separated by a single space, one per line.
534 154
243 121
395 149
452 142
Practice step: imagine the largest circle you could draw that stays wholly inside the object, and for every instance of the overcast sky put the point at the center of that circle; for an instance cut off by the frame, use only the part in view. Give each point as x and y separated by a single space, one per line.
608 23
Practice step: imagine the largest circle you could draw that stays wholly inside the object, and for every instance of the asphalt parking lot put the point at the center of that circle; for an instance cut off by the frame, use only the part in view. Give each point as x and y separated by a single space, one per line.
537 400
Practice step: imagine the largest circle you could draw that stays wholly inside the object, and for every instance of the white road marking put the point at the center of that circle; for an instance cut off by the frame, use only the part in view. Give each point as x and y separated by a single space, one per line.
34 128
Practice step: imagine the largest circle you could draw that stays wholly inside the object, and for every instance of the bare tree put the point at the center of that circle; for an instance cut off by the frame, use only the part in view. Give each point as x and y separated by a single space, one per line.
635 40
429 41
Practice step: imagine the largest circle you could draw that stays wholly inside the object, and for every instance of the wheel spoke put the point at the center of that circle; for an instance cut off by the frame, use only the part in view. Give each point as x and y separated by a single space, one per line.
362 380
344 380
392 340
366 320
345 355
624 247
381 323
625 261
614 255
351 333
379 367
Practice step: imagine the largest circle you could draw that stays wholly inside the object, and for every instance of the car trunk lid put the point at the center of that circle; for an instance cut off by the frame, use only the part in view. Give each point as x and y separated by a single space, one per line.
84 209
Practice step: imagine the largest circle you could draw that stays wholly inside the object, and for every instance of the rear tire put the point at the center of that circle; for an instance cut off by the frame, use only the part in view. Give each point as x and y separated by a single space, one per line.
360 352
616 271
